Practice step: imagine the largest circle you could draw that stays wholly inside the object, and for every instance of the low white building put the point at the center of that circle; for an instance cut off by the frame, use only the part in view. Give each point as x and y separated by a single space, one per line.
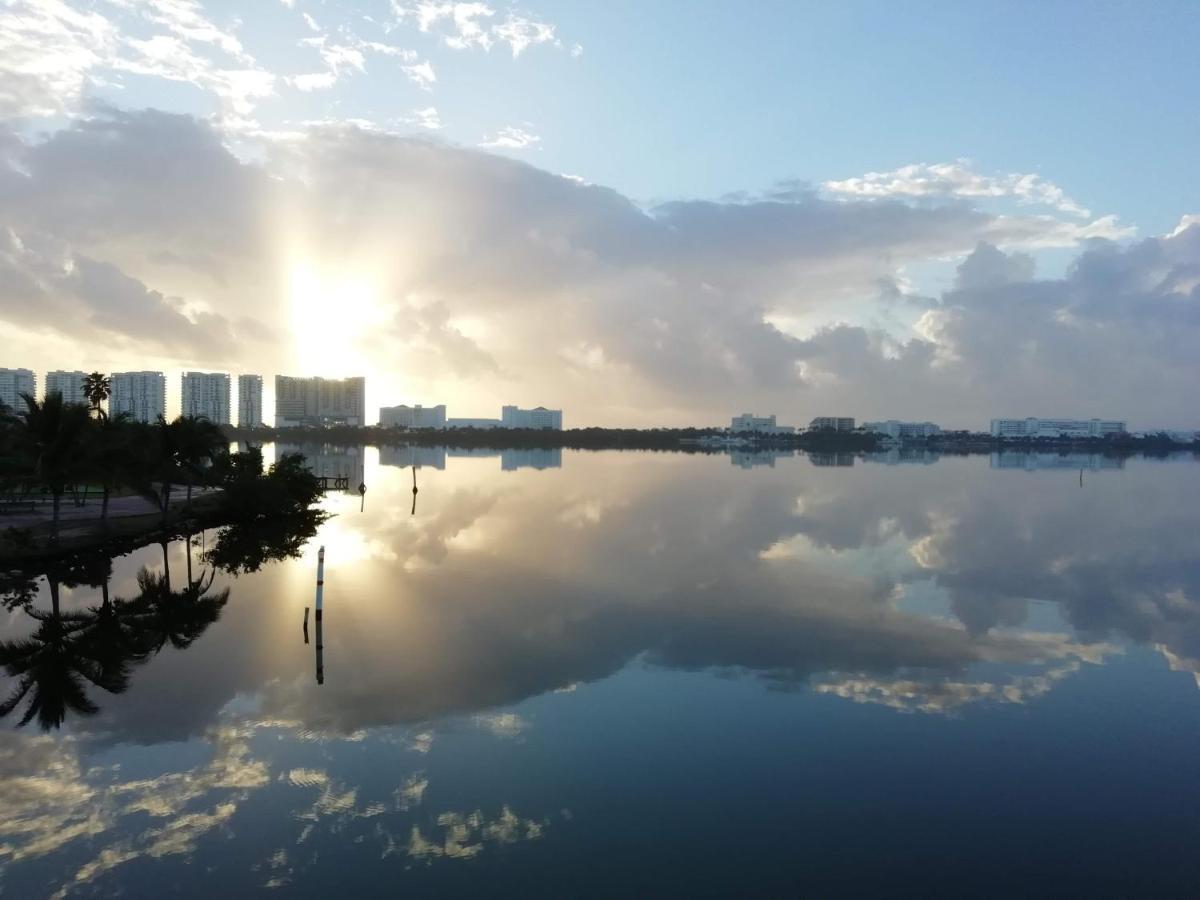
900 431
473 423
1053 428
69 384
250 391
538 417
205 394
413 416
759 424
14 383
143 395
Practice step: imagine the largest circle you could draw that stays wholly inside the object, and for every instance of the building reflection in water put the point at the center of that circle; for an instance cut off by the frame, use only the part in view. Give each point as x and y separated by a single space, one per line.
474 676
1031 462
331 461
839 458
748 459
903 456
511 459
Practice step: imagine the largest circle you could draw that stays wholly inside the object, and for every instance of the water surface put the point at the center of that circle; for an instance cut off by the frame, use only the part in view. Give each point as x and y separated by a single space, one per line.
639 674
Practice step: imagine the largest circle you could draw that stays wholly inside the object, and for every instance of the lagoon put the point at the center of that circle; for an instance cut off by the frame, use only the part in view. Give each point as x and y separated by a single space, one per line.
599 674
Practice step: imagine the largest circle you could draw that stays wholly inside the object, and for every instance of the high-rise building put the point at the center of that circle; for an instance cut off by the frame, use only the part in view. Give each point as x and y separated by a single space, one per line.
831 423
1053 428
413 416
69 384
320 401
14 383
250 401
763 424
143 395
206 394
538 417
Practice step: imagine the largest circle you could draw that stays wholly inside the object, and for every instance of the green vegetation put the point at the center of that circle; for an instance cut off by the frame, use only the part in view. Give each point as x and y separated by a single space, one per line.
53 450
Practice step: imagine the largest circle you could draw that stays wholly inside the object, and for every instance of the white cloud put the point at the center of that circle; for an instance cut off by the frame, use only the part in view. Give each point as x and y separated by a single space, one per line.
521 33
47 49
463 26
51 54
464 23
511 138
956 179
421 74
313 81
426 118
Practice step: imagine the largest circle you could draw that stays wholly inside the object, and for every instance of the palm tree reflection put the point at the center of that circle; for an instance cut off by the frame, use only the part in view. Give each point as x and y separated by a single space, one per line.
53 664
100 646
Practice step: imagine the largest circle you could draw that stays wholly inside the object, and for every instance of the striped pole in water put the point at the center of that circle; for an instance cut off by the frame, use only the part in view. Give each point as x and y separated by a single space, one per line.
320 582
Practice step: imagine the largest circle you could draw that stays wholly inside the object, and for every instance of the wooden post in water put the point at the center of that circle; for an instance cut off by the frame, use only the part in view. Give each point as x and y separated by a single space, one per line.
306 624
320 583
320 651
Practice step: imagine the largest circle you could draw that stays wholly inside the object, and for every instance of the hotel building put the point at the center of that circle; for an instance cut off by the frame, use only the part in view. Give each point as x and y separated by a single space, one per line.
1053 428
250 401
143 395
14 383
320 401
206 394
69 384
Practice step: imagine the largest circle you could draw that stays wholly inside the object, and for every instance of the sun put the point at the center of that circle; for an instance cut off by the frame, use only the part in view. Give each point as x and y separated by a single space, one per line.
331 310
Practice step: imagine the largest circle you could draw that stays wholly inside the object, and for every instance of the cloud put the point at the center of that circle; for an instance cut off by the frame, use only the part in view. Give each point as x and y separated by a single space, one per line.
511 138
500 277
421 74
52 55
426 118
521 33
463 26
313 81
956 179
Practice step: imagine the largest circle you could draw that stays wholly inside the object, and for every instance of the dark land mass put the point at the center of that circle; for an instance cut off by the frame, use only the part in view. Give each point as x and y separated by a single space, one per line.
693 440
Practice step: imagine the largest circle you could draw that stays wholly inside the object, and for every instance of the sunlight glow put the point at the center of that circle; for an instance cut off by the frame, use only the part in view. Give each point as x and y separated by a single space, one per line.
331 311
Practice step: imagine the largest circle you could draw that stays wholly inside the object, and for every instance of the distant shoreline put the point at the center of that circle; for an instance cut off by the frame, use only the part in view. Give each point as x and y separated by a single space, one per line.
692 440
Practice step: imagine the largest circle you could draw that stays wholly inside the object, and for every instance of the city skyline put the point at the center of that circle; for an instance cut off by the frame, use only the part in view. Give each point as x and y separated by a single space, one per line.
319 189
250 397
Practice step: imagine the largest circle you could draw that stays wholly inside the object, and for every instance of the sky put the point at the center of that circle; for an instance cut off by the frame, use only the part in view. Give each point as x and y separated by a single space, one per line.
661 213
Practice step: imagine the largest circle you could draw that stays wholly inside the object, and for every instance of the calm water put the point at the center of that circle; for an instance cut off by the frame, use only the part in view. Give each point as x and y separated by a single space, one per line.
627 674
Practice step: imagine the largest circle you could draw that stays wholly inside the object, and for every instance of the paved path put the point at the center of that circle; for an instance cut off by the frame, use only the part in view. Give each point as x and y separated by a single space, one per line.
118 508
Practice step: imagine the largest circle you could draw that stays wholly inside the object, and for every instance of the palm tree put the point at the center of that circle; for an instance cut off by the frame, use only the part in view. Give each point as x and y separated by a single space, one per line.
110 456
183 448
54 435
197 443
97 387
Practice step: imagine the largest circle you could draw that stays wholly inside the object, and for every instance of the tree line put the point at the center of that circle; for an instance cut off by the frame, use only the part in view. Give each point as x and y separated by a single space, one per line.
54 449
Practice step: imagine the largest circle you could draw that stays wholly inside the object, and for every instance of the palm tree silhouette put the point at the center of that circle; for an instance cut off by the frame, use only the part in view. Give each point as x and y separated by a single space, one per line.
54 434
110 456
182 448
97 387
